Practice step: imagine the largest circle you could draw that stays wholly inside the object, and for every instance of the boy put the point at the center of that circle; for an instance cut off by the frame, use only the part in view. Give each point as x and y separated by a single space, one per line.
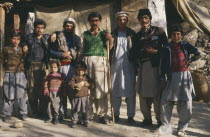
179 89
80 84
15 83
53 86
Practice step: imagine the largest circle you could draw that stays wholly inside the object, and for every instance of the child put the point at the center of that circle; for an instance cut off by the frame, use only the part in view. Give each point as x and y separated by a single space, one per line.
79 84
179 89
15 83
53 88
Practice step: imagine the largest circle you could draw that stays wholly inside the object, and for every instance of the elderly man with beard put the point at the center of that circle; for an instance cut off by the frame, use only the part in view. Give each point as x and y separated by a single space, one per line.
65 46
122 67
36 61
94 55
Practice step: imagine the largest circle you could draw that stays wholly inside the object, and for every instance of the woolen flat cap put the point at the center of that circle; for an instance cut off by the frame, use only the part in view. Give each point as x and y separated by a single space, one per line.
121 14
70 20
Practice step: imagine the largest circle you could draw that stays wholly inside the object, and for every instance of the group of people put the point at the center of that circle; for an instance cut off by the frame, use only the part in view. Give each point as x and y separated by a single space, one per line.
79 71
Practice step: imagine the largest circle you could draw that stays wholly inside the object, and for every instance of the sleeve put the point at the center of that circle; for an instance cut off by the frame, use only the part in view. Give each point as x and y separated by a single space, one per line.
192 50
162 67
163 39
46 88
81 48
53 48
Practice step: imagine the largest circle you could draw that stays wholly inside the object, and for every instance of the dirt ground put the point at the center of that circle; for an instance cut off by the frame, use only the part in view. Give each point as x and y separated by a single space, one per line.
198 127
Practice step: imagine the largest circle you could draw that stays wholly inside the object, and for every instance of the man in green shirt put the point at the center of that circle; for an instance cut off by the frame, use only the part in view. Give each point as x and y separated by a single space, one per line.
93 51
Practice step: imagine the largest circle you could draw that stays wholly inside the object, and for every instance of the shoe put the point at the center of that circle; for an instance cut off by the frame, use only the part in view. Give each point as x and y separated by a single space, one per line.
7 118
86 124
116 118
49 120
103 120
131 121
181 133
73 124
159 123
56 122
146 122
24 117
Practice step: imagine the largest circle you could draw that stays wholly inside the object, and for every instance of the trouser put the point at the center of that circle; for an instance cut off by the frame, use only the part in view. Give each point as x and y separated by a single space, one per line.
80 105
54 105
146 105
184 110
8 106
130 102
36 75
101 106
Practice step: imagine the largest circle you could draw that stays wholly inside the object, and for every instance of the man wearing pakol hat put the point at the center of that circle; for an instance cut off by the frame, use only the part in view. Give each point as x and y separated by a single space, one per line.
147 59
94 50
122 67
65 46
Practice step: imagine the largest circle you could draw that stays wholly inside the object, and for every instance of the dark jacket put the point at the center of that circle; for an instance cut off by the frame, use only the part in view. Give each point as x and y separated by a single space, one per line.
131 40
29 40
188 50
60 45
155 36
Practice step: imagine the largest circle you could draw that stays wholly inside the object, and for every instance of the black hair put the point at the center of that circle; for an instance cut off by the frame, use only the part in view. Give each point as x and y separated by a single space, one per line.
55 62
93 15
66 22
40 22
176 27
15 33
143 12
81 64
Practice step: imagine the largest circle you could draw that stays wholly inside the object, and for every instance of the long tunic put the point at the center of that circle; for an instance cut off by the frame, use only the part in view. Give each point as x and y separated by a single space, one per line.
122 70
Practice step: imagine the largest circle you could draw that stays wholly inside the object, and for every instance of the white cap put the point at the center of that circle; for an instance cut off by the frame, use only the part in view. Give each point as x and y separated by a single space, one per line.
69 19
121 14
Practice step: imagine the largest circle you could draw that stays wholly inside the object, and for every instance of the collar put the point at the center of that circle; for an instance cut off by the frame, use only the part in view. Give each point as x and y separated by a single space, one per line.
100 30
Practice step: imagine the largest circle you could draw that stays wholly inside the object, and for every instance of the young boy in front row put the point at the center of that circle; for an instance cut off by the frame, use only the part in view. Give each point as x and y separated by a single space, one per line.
179 89
80 84
54 86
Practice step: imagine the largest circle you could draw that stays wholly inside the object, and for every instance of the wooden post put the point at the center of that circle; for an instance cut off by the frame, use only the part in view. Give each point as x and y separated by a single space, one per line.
2 29
16 21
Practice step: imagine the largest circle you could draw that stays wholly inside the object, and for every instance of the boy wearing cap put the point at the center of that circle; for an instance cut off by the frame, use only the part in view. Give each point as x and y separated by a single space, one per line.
65 46
36 63
147 58
79 85
93 51
179 88
122 67
15 83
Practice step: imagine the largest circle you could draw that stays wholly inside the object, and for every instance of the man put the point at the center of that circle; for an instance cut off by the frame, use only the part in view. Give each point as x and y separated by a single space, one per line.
93 51
179 90
122 68
65 46
37 60
147 57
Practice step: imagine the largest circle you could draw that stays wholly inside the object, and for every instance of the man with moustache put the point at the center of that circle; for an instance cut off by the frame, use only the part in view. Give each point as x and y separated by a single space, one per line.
36 61
93 51
122 68
65 47
147 58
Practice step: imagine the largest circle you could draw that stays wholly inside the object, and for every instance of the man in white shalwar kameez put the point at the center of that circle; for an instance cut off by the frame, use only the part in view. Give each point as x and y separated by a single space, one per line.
122 68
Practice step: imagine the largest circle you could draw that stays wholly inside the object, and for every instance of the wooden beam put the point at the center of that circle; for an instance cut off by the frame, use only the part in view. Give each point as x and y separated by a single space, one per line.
16 21
2 29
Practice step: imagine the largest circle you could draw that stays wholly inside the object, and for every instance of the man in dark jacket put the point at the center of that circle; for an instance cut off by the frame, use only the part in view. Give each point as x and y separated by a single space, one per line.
147 58
36 66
